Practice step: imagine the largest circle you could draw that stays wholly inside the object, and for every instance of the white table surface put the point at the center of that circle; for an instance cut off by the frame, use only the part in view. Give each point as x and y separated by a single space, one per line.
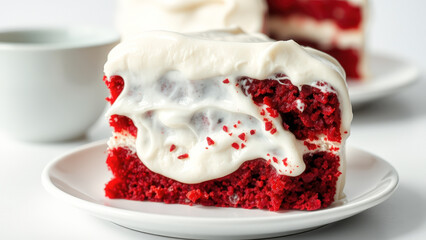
393 128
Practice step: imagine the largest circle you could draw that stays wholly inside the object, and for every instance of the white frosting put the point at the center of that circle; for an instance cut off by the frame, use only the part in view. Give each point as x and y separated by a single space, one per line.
175 94
135 16
300 105
326 33
123 140
357 2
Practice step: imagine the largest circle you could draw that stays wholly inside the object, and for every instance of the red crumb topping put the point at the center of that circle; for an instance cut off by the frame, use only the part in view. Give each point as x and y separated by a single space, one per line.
172 148
285 162
235 145
209 141
333 148
273 131
268 126
243 145
226 81
255 184
183 156
225 128
242 136
252 132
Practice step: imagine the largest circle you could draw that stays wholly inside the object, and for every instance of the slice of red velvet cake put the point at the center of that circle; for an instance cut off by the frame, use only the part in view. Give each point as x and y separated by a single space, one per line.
226 119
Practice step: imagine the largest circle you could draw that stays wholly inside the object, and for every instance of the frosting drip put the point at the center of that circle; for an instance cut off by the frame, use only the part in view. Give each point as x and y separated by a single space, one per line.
194 122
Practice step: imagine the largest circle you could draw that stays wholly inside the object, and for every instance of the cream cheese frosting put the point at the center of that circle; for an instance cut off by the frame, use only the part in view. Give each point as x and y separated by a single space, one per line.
134 16
182 89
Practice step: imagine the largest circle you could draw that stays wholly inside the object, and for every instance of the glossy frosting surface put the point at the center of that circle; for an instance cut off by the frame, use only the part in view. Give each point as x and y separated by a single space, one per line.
135 16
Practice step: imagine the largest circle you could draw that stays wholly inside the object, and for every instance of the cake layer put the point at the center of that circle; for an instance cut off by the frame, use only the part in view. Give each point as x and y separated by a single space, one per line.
326 34
345 14
254 185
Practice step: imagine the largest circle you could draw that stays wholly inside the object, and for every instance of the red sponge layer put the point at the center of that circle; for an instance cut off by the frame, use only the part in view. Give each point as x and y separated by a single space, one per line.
254 185
320 113
343 13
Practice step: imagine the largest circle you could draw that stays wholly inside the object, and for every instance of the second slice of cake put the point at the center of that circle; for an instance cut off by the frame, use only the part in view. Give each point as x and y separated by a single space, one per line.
227 119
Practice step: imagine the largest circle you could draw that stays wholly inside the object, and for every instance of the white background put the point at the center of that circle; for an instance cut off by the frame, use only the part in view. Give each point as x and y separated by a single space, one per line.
393 128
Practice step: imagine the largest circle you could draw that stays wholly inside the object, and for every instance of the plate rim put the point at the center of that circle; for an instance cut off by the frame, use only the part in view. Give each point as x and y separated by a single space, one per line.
368 90
106 212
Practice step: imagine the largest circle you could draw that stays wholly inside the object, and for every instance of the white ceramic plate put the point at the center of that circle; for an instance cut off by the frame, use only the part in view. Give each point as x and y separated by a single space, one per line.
79 178
387 75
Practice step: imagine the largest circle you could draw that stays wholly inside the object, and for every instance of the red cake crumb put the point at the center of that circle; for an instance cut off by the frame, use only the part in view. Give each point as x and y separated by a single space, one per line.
225 128
172 147
194 195
242 136
272 112
256 184
183 156
268 126
209 141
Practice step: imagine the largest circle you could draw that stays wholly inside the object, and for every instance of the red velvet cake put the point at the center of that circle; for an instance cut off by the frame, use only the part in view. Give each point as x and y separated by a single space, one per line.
336 27
226 119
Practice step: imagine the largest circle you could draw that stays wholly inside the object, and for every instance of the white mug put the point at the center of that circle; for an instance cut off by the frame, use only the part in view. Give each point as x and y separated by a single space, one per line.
51 85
